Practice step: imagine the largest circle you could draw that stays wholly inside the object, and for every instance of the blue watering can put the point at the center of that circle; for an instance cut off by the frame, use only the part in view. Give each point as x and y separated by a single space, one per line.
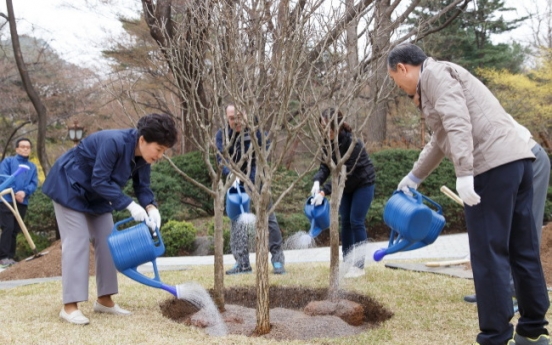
135 246
237 201
413 224
319 216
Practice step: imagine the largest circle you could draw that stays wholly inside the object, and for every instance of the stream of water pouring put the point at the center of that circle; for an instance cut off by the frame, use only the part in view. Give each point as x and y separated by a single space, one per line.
246 225
300 240
360 251
199 297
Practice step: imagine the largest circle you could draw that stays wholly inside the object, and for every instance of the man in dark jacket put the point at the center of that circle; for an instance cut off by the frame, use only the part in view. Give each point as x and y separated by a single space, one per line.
24 185
239 139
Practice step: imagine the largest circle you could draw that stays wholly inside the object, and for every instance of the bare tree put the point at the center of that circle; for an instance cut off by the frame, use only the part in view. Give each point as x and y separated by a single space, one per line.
31 92
263 57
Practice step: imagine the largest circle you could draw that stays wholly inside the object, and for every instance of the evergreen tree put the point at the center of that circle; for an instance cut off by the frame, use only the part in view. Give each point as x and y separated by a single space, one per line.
467 41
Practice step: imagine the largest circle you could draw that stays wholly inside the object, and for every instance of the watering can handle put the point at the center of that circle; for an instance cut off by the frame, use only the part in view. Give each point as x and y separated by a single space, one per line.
130 219
415 194
121 222
439 208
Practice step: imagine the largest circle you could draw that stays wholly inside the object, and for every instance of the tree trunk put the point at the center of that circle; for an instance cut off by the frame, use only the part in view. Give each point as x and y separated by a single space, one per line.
218 291
352 40
335 200
377 131
261 259
31 92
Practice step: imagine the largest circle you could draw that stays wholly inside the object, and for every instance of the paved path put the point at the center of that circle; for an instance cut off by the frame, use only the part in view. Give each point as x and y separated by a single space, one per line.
445 247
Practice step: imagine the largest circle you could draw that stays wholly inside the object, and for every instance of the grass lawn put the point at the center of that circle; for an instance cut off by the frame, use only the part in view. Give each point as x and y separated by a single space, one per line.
428 309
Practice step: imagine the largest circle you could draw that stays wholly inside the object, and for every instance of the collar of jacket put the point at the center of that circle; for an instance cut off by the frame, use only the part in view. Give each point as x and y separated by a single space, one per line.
21 158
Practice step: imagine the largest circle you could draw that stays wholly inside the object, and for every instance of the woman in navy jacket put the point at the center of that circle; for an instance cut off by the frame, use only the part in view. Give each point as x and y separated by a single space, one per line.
359 186
86 186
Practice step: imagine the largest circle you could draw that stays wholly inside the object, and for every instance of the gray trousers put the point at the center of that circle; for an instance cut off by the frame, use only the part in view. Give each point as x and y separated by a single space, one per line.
541 178
77 229
239 242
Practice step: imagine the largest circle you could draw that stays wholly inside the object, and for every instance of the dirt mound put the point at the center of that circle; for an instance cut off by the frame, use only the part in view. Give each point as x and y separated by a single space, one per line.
45 266
287 319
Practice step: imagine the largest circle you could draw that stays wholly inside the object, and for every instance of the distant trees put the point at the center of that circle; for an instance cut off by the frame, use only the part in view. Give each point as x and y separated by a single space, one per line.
467 40
40 93
527 97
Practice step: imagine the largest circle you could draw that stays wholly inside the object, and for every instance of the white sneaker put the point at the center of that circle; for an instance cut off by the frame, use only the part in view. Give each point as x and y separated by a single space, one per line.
354 272
115 310
75 317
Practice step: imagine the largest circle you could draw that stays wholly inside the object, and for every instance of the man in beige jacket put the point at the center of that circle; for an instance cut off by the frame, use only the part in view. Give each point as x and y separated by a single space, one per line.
493 167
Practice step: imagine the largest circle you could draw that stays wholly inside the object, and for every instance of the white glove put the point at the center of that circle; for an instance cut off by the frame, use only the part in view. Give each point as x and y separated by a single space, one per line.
464 187
318 199
405 183
155 217
237 183
315 188
137 212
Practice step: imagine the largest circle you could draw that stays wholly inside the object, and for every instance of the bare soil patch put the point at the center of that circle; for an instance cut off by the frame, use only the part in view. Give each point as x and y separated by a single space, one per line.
287 319
45 266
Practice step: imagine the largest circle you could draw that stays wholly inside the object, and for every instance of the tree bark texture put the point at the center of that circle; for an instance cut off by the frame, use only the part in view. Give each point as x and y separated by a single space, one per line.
261 260
218 290
39 107
377 131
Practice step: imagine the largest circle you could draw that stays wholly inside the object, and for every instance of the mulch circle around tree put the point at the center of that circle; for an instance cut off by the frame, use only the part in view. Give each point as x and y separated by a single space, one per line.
288 320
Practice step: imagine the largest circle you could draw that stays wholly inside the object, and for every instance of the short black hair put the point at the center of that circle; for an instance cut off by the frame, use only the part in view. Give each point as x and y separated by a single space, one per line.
22 139
158 128
406 53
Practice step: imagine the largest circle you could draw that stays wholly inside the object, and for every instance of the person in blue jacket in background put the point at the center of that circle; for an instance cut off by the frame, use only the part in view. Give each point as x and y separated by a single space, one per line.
24 185
86 185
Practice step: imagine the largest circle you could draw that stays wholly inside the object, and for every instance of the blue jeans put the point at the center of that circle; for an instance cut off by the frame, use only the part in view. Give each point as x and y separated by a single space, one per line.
353 209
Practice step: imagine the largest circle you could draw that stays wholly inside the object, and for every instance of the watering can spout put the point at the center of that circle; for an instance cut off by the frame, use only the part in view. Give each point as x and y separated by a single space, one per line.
133 274
413 224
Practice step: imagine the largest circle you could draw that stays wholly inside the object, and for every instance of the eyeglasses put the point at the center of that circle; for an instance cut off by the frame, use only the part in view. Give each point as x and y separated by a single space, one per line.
27 147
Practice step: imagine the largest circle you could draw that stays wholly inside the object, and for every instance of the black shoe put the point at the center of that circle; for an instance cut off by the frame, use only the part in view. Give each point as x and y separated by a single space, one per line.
470 298
237 269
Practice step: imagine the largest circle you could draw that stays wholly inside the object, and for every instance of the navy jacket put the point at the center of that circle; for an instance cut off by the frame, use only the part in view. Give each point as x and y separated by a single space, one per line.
89 178
27 181
235 149
360 170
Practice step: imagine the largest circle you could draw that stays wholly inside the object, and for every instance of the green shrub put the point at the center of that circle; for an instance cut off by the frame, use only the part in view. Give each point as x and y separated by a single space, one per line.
177 198
391 166
178 237
40 217
548 206
226 224
23 250
292 223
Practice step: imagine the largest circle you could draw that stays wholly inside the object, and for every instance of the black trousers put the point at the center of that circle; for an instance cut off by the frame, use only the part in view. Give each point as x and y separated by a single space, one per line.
503 237
10 228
